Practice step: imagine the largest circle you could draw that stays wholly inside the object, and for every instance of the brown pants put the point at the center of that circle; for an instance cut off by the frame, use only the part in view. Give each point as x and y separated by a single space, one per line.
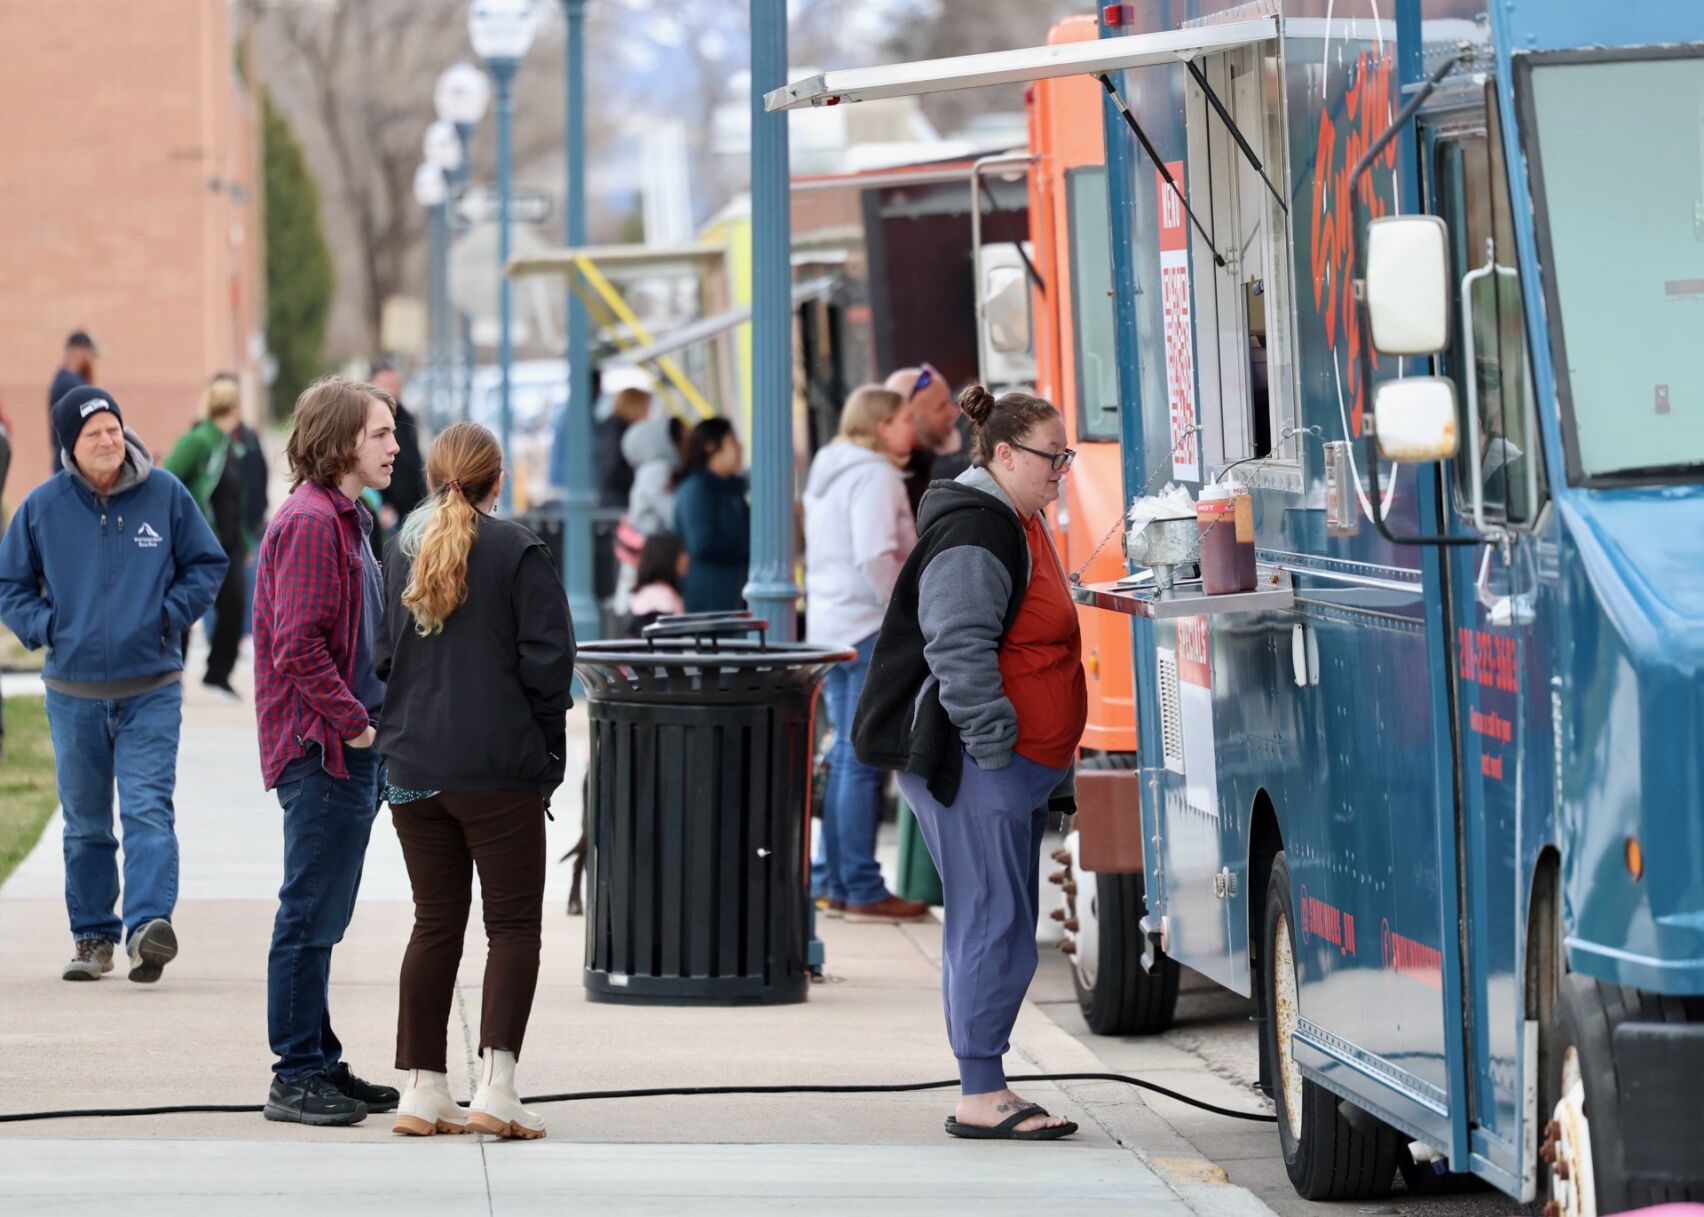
443 838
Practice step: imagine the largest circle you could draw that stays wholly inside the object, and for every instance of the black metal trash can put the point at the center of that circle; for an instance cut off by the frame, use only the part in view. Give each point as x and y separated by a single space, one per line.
698 880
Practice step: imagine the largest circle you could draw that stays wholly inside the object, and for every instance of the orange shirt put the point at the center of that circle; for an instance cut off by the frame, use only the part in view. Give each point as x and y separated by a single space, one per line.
1041 661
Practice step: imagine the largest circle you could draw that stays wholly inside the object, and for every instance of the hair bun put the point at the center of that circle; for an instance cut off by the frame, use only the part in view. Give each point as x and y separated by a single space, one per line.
977 403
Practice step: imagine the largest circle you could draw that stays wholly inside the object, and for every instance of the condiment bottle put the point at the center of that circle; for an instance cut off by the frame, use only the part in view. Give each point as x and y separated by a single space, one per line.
1215 516
1247 576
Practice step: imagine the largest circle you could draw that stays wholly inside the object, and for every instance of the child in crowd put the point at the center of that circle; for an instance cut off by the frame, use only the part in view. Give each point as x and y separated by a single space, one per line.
656 591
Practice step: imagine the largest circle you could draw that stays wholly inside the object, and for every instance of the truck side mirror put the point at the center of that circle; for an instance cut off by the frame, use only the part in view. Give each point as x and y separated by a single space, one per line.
1408 299
1414 419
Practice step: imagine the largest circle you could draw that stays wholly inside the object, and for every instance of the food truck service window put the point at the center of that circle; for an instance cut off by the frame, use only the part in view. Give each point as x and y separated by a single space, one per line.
1244 314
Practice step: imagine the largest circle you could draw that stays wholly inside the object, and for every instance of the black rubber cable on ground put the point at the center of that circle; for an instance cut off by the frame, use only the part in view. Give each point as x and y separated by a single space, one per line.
580 1096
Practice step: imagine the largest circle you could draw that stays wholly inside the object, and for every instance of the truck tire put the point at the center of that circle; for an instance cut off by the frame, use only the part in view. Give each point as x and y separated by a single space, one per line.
1326 1157
1116 995
1583 1150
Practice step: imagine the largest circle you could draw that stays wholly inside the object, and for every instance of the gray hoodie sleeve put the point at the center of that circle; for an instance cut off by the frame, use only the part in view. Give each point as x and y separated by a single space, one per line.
961 602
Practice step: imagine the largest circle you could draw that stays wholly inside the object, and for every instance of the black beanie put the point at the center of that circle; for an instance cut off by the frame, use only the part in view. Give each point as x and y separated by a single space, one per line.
76 408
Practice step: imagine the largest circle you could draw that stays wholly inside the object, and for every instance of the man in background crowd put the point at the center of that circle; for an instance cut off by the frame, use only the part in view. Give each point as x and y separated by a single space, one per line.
943 446
408 480
76 369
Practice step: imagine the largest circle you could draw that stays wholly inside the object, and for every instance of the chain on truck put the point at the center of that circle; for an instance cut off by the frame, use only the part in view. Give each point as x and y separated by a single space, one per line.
1430 275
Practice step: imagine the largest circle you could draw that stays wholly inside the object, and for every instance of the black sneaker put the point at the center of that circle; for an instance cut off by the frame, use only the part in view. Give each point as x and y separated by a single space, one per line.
377 1098
312 1101
222 688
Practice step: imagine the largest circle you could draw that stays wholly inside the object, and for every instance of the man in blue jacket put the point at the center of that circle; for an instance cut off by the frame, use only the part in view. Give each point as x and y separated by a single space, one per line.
107 566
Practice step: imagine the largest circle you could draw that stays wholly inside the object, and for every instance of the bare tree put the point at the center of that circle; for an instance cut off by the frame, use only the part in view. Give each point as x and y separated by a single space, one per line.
355 78
930 29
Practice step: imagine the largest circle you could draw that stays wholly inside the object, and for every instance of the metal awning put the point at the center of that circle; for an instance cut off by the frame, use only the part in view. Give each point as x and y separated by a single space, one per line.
617 258
1018 66
713 326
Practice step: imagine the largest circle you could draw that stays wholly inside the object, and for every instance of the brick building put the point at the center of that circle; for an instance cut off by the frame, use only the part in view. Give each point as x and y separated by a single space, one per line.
131 209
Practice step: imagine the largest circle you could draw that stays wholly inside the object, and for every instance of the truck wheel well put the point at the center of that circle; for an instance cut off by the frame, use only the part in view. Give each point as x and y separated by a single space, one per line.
1544 938
1264 842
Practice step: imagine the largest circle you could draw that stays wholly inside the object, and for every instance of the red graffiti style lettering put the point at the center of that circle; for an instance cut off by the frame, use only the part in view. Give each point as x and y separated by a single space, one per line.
1321 920
1412 959
1343 140
1491 766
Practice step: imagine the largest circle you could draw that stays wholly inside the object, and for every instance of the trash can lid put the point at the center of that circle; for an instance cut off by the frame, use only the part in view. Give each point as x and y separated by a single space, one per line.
707 640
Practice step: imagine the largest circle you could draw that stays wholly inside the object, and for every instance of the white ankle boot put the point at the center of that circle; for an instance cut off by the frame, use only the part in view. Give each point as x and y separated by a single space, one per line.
496 1108
426 1106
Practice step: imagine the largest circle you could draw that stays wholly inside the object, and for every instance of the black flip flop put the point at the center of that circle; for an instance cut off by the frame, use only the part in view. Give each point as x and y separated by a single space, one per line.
1007 1129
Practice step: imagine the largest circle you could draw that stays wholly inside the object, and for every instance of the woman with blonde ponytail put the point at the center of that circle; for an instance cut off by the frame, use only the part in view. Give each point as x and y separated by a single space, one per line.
478 653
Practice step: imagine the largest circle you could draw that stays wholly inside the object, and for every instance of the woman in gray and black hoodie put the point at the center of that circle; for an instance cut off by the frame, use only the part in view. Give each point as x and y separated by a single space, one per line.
976 696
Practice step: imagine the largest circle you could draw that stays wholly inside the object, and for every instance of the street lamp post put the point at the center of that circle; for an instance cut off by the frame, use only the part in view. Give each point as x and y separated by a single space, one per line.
431 192
460 97
579 500
502 30
443 152
772 592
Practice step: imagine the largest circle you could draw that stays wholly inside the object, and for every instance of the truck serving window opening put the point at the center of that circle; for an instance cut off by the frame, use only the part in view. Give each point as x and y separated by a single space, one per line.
1244 309
1095 342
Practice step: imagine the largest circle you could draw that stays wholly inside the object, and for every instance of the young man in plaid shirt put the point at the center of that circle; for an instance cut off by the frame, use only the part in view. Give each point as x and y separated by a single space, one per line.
318 600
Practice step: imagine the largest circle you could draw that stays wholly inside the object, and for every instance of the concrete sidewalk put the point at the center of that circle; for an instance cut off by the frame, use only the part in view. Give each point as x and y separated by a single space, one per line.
200 1037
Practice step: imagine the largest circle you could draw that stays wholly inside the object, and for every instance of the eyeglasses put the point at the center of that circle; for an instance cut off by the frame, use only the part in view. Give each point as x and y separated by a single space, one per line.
925 378
1060 461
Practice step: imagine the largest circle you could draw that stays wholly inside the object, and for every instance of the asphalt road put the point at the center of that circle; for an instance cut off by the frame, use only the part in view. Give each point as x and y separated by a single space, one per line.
1211 1053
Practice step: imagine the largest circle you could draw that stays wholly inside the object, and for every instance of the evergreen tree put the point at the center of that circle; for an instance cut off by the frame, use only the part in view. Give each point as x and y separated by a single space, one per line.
300 279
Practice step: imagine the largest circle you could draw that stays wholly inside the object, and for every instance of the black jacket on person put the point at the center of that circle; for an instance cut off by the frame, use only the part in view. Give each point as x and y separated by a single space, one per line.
900 722
255 484
615 475
408 473
482 704
924 468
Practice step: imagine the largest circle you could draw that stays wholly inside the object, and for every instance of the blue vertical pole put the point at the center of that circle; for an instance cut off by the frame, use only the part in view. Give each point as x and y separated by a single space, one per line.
1132 437
772 592
503 76
580 499
459 331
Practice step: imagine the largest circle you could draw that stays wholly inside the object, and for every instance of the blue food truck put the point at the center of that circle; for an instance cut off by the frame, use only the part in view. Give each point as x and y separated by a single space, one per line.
1427 278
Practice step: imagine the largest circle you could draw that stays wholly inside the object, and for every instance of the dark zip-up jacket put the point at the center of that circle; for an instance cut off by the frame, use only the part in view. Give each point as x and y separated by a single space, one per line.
924 704
483 703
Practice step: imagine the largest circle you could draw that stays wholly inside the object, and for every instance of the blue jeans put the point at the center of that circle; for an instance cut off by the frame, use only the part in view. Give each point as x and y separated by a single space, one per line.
327 822
134 741
845 866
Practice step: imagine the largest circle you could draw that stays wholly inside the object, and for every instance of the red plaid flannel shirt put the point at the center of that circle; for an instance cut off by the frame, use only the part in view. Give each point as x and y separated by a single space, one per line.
307 618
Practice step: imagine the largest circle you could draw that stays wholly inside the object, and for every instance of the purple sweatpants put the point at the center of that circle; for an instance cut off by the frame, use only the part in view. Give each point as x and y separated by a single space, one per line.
987 848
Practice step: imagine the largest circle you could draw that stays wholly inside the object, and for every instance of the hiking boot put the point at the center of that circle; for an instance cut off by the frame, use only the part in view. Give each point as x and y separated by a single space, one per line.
889 910
151 948
92 960
377 1098
496 1109
312 1100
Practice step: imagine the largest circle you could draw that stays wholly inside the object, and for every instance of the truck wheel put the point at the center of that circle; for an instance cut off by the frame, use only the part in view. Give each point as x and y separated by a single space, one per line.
1326 1157
1116 995
1582 1144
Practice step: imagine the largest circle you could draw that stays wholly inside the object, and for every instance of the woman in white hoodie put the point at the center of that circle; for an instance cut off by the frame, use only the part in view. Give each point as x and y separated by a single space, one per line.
858 532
